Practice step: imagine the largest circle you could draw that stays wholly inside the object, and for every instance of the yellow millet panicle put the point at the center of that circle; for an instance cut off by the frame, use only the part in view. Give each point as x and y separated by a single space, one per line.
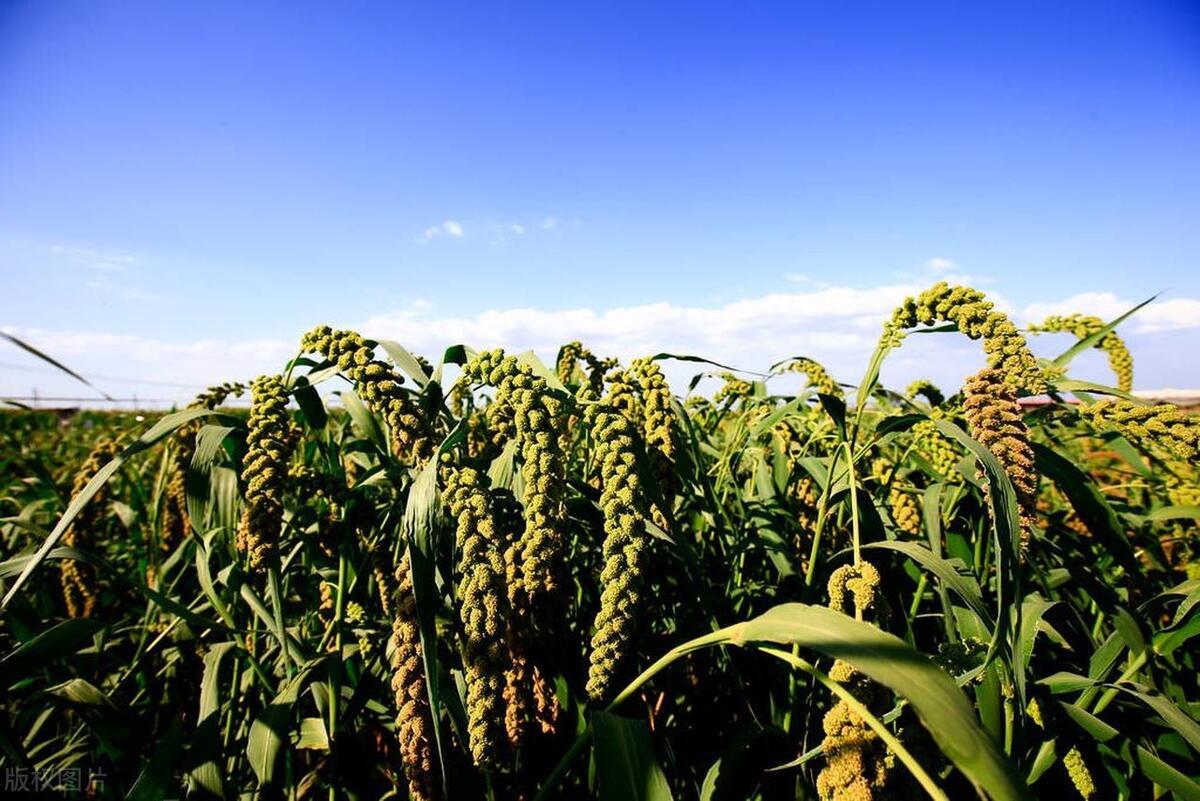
732 389
905 511
1163 426
414 723
974 315
79 579
1084 326
625 543
1081 777
857 764
536 417
269 443
928 390
862 582
818 377
994 419
379 386
174 524
1182 486
483 608
568 361
325 610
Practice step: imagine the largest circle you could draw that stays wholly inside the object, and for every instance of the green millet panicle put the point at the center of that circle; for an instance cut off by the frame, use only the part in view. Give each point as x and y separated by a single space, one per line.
379 386
414 723
975 316
535 415
818 377
1073 761
567 367
269 443
1163 426
1084 326
483 608
937 449
927 389
994 419
658 430
79 579
625 543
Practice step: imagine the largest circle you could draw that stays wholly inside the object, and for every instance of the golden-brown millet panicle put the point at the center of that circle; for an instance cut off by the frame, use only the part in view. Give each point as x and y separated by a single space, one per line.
174 524
414 723
994 418
78 578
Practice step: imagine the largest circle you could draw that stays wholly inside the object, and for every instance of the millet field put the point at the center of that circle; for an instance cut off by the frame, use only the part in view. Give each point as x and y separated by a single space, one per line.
479 576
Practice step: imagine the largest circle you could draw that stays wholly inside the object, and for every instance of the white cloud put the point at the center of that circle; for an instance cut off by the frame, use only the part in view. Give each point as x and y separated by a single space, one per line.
836 325
938 265
548 223
517 228
1170 314
451 228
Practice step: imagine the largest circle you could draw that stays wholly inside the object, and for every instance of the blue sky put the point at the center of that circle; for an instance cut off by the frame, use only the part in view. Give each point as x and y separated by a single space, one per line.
186 187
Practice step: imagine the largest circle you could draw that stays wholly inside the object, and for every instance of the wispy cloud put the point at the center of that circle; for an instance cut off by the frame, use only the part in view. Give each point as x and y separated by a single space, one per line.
102 261
450 228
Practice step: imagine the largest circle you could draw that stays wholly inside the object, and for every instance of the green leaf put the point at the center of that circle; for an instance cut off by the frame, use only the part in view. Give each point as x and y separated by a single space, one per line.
626 767
405 361
54 643
205 748
269 730
937 700
1092 341
952 572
